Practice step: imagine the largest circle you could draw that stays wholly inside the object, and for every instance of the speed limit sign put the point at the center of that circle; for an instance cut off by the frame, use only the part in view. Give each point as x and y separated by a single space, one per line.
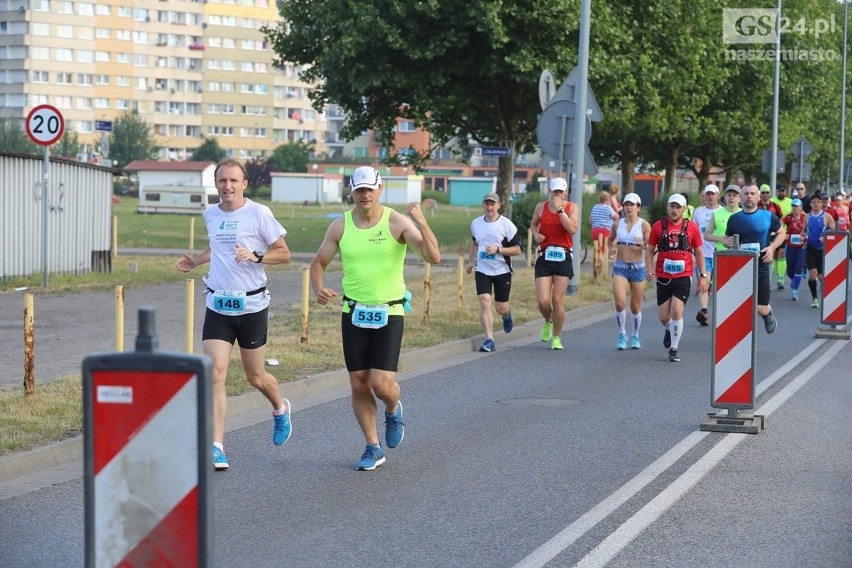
45 125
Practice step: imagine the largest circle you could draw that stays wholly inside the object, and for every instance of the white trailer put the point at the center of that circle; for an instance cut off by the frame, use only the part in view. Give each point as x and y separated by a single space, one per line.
190 199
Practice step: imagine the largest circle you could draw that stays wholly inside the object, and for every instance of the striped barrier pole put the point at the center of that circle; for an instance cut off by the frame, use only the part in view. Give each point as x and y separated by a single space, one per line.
835 286
733 352
147 465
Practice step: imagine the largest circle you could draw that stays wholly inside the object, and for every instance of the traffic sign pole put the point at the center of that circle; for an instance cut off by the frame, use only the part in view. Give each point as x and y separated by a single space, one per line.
45 126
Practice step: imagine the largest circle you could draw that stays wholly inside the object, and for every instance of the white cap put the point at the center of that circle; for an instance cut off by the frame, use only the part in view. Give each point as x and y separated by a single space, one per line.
679 199
632 198
365 176
558 184
711 188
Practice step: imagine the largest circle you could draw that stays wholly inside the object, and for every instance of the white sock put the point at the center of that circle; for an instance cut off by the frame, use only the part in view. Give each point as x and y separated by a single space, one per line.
637 322
676 329
219 445
620 320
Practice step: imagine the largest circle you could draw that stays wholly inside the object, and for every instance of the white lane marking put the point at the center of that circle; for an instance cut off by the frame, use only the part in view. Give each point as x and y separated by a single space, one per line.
570 534
624 535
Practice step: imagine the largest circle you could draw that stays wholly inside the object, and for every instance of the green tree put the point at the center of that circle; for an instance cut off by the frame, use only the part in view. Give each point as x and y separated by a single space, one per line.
131 139
209 151
14 139
292 157
473 76
68 146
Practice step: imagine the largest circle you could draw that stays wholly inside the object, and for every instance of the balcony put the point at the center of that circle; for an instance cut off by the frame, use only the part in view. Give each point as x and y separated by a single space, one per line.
196 47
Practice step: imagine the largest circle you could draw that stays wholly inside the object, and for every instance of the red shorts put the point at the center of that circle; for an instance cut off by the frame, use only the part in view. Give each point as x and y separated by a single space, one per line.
599 231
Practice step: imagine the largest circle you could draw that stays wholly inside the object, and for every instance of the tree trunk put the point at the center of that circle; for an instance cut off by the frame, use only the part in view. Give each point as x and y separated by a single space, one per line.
504 179
671 169
628 166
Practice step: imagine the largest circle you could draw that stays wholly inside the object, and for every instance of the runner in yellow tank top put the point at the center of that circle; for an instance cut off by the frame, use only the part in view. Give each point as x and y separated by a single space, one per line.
372 240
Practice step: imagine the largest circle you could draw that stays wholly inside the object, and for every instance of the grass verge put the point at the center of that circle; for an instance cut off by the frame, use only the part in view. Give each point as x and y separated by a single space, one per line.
55 412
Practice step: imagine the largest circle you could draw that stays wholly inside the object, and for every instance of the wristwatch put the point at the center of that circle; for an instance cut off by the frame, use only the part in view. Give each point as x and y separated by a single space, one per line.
704 275
560 211
258 256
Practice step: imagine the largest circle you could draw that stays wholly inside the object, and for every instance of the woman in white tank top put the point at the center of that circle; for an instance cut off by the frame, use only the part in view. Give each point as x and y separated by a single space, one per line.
627 242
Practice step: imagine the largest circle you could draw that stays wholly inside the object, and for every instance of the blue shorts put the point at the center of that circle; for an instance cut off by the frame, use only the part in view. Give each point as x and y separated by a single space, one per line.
631 271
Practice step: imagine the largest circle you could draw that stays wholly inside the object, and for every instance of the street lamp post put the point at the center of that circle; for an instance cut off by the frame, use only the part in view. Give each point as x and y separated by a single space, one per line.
315 167
843 101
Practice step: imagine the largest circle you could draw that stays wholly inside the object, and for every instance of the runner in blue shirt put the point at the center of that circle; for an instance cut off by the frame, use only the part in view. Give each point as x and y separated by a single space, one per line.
762 232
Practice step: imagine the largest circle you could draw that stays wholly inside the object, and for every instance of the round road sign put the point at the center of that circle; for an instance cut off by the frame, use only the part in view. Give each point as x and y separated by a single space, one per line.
45 125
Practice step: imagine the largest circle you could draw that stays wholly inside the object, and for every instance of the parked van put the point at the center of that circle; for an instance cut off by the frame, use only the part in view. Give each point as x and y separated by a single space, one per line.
176 199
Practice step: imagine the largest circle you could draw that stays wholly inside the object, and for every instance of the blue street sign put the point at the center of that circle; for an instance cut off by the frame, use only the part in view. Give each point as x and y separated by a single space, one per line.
103 125
494 151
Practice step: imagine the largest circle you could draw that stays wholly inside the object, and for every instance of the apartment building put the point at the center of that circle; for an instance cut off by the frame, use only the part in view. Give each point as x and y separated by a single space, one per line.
191 68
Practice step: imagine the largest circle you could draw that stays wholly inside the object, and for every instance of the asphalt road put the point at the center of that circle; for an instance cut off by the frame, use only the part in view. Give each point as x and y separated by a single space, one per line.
529 457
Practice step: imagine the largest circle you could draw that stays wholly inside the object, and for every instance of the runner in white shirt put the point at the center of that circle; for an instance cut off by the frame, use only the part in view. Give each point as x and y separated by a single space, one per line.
244 236
702 217
494 240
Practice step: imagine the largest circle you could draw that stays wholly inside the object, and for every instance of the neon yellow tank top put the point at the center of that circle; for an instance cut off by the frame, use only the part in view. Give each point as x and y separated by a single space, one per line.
720 224
373 263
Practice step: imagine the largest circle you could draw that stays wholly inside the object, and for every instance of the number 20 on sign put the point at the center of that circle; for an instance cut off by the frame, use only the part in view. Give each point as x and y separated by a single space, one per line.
45 125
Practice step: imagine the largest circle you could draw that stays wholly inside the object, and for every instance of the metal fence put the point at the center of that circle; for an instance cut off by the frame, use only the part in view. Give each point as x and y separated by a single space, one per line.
79 216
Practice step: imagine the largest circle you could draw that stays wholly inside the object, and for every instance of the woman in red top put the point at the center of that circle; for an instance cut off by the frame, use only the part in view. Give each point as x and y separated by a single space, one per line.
552 225
797 238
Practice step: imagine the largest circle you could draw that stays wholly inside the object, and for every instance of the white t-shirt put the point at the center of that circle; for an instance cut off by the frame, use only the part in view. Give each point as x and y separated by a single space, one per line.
252 226
496 233
702 218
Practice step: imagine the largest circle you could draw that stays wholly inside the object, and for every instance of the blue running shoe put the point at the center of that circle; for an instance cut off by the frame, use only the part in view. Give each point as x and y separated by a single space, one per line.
621 342
508 324
282 427
220 462
394 427
373 457
635 343
488 346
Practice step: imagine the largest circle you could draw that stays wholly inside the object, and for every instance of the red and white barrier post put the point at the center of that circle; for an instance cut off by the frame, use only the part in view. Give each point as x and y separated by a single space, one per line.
835 286
734 312
147 440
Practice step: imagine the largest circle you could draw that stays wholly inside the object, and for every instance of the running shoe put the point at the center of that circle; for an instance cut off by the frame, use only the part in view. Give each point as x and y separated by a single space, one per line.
220 462
394 427
373 457
635 343
794 295
674 356
667 339
815 303
508 324
769 322
282 426
488 346
621 342
546 331
556 343
702 317
780 284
